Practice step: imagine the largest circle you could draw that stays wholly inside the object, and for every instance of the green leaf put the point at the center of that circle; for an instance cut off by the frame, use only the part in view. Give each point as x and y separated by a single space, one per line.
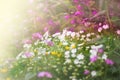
29 76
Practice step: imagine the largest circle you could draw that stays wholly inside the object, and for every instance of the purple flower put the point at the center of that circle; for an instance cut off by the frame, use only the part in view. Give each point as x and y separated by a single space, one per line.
44 74
109 62
36 36
86 72
94 58
50 43
100 50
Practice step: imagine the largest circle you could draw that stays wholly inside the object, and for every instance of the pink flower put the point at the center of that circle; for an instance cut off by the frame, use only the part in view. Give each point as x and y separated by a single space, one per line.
75 1
36 36
44 74
72 22
118 32
66 17
100 50
94 58
50 43
79 7
109 62
100 29
105 26
86 72
28 54
50 22
77 13
28 41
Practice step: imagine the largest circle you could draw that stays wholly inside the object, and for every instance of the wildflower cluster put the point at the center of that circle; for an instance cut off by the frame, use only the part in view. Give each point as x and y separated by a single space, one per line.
61 56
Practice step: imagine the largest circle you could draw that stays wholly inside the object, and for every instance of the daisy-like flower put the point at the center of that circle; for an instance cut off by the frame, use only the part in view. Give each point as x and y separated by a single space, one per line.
80 56
104 56
93 73
74 51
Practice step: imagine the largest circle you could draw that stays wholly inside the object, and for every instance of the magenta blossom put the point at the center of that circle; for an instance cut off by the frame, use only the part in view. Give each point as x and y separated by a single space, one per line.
66 17
77 13
86 72
36 36
44 74
109 62
28 41
94 58
100 50
72 22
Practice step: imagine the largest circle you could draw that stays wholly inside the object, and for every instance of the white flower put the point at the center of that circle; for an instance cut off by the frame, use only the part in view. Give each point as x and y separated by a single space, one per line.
27 46
104 56
88 35
65 43
76 61
74 51
73 55
93 53
93 73
67 61
73 34
68 33
56 35
67 54
77 34
80 56
82 31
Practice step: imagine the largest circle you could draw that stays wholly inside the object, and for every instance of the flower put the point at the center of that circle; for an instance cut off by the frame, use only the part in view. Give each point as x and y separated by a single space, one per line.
105 26
44 74
118 32
80 56
75 1
86 72
94 58
77 13
36 36
93 73
100 50
100 29
66 17
27 55
109 62
28 41
74 51
50 43
104 56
